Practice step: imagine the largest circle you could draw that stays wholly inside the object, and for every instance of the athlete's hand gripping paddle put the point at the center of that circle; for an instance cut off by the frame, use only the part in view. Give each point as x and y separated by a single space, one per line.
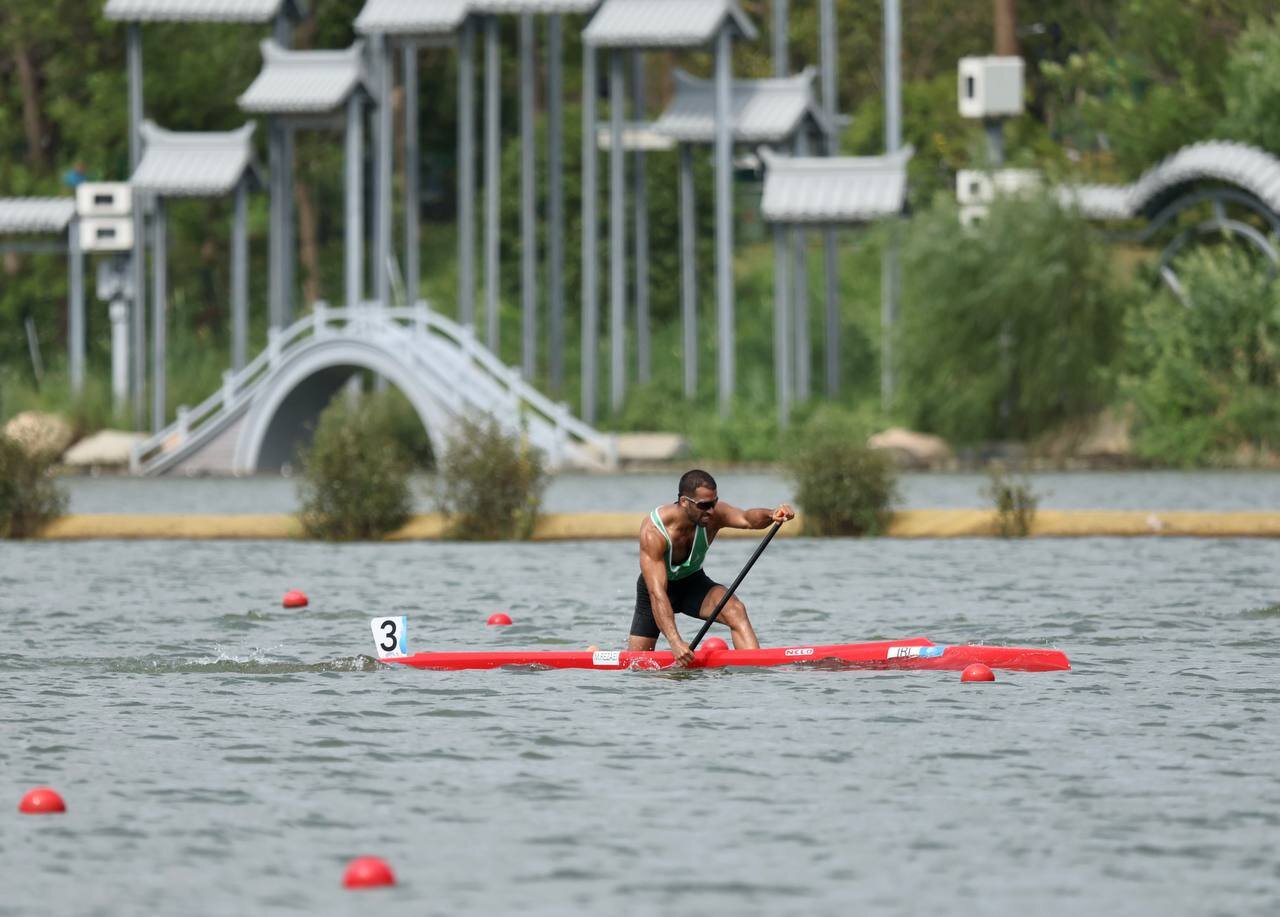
764 543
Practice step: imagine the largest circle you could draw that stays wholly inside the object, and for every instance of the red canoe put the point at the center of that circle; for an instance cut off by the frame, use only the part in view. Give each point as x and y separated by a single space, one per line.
910 653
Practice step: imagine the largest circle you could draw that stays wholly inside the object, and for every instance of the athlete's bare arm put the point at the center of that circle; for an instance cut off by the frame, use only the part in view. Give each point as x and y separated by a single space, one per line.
653 566
731 517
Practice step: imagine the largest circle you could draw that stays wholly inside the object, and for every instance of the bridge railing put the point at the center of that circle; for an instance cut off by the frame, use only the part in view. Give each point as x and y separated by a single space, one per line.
556 413
238 385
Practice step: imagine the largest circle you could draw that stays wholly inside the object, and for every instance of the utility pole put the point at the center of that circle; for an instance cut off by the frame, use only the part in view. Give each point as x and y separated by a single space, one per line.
1006 28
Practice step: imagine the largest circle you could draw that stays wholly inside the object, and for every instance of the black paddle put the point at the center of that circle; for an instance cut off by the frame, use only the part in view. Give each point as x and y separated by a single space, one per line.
725 598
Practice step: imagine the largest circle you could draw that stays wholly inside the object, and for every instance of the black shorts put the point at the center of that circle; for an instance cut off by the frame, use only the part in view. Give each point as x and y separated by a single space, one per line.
686 597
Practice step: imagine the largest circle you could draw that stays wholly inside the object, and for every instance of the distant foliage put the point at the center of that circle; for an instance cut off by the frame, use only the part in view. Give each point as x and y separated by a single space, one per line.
843 487
1008 328
355 476
1015 502
491 482
1204 375
30 496
1252 87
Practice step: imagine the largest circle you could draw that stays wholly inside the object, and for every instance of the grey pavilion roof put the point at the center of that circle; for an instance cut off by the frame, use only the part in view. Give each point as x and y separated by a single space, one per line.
35 214
202 10
764 111
536 7
304 82
194 164
411 17
1249 168
835 189
664 23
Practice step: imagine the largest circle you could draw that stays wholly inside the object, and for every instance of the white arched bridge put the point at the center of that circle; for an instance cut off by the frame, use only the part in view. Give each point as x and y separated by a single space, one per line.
264 412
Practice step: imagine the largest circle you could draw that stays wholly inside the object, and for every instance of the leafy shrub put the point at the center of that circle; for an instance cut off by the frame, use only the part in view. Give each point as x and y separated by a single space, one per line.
1008 328
491 482
1015 503
30 497
355 475
843 487
1203 374
397 414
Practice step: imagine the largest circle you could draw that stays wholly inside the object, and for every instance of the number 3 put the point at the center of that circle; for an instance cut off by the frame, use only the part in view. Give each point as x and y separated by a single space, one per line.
389 626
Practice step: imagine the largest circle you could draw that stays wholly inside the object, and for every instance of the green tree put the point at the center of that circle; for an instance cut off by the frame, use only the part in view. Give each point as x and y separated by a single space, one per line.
355 475
1252 87
1203 373
1008 327
491 482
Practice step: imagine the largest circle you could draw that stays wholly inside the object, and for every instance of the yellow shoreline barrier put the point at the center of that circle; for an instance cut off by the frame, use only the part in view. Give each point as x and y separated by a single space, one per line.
913 523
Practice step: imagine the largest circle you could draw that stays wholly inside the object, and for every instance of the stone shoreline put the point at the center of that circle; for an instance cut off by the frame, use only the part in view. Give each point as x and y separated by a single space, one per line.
921 523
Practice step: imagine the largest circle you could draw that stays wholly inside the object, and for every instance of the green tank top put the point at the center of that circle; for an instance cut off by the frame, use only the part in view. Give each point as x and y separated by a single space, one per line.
692 563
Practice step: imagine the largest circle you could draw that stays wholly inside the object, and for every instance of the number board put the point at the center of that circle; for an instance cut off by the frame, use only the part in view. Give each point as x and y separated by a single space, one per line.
390 636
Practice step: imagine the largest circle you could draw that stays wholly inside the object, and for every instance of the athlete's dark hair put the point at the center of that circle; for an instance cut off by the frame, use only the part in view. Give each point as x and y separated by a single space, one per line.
692 480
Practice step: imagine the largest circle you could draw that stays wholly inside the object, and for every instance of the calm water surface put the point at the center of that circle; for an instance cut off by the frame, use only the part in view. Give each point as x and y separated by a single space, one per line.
220 755
1127 490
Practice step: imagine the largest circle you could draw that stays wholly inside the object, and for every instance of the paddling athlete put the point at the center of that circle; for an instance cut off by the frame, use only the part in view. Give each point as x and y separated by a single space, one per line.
673 542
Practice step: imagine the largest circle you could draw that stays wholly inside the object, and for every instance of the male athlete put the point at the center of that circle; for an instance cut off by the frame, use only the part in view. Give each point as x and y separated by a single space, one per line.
673 542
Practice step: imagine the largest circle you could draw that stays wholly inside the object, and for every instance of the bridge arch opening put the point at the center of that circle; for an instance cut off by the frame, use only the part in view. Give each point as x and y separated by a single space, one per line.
293 424
282 420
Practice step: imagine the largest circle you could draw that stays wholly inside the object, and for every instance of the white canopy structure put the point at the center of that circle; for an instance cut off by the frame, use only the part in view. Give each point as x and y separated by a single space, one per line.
194 164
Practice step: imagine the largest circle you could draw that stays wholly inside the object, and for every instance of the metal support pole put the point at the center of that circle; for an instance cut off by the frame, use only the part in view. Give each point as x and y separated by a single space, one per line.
492 178
800 309
138 310
827 31
555 199
641 203
528 233
412 216
780 35
159 317
75 306
466 174
617 237
889 270
275 236
781 325
119 314
827 52
688 283
892 76
995 141
288 237
281 29
590 291
890 282
354 215
240 278
830 267
724 221
382 208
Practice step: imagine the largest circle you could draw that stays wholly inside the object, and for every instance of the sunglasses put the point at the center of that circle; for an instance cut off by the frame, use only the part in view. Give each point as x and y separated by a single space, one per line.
704 505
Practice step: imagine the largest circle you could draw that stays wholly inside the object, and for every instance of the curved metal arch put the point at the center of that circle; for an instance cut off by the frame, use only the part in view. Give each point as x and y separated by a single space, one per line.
1217 196
1209 227
305 363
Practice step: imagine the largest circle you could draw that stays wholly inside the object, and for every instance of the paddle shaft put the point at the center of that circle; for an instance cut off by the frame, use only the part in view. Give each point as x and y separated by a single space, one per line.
764 543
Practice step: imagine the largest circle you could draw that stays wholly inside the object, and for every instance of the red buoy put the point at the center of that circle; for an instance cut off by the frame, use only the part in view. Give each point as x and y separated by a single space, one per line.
295 598
713 643
978 671
368 872
42 801
499 619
